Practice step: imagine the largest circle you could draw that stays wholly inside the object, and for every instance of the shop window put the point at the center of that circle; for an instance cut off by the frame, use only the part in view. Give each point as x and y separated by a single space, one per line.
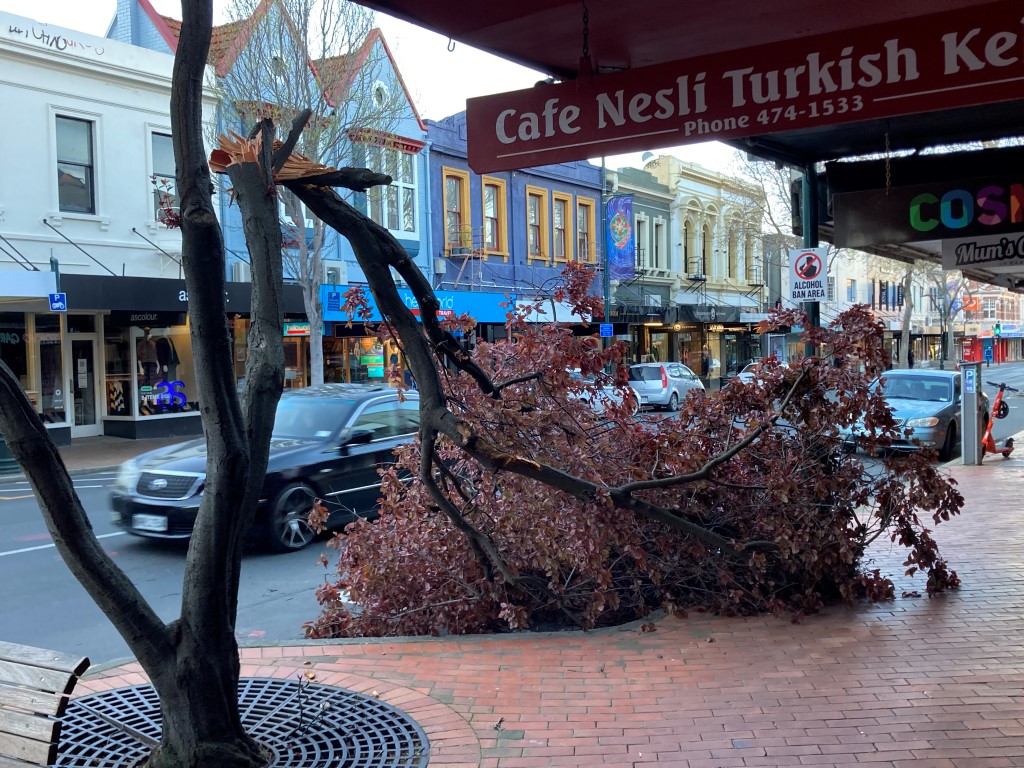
51 369
14 346
120 401
495 221
165 187
75 165
150 367
586 247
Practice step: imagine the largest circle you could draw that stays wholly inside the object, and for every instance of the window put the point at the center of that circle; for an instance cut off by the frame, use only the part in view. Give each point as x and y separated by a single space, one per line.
75 183
642 242
830 289
536 224
586 247
165 188
561 225
457 230
989 306
749 258
393 206
658 246
733 256
851 290
495 222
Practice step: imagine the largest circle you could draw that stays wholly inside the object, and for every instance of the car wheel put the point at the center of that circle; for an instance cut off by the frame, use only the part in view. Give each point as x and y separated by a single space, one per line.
673 403
288 526
949 444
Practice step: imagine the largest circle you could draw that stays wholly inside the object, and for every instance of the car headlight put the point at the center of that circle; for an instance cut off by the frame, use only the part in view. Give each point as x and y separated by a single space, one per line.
128 475
927 421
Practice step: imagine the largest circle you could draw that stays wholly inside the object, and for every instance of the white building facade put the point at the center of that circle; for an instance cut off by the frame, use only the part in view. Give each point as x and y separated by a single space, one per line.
87 183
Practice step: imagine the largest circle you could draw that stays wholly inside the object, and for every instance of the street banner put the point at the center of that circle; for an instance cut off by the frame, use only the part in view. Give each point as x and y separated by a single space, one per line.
621 244
808 274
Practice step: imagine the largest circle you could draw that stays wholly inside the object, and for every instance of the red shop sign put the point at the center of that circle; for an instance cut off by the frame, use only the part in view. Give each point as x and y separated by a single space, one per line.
944 60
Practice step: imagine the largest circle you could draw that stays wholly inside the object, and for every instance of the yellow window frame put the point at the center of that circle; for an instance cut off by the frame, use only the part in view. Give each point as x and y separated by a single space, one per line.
590 206
545 224
570 226
466 228
502 215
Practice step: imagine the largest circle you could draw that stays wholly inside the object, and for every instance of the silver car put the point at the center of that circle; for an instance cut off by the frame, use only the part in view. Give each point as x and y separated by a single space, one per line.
926 406
663 385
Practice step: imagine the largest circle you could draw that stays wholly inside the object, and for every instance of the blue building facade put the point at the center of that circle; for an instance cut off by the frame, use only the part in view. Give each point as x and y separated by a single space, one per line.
510 233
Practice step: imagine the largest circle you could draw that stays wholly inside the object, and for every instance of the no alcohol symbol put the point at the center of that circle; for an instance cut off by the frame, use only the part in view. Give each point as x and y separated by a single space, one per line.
809 266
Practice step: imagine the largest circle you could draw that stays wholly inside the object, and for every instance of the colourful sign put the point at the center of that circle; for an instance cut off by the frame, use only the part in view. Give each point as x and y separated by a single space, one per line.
482 306
956 58
621 248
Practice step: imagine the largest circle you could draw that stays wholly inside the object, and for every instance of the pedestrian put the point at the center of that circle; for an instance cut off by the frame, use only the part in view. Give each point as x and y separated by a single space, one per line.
910 358
705 361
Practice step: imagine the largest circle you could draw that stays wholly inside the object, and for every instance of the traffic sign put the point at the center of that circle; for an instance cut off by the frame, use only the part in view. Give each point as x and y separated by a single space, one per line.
58 302
970 382
607 330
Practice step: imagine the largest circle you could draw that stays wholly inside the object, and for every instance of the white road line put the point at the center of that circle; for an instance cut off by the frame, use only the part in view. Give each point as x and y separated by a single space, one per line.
51 546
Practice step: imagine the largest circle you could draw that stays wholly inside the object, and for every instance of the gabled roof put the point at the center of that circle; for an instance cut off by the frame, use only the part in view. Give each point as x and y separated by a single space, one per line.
338 72
227 41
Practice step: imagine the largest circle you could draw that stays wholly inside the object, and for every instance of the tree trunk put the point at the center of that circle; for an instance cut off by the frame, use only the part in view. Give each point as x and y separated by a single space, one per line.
311 301
908 311
199 707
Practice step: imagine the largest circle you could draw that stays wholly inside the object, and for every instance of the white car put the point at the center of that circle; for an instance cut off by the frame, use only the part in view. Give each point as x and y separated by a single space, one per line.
606 394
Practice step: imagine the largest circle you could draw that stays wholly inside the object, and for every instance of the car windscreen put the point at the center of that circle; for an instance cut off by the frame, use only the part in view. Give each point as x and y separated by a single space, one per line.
934 389
645 373
306 418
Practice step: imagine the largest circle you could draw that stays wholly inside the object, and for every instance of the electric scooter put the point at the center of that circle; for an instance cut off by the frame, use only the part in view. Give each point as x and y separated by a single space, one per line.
1000 410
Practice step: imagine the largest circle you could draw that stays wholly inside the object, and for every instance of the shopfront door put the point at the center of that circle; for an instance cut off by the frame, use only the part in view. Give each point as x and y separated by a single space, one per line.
83 386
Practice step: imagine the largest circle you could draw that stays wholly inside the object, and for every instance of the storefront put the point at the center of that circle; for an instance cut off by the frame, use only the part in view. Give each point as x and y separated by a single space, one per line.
353 354
129 368
715 342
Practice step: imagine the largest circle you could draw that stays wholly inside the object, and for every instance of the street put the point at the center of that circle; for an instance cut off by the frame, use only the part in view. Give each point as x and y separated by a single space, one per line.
41 603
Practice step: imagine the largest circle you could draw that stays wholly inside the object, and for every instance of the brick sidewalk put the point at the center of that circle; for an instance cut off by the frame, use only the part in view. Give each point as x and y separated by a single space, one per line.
922 682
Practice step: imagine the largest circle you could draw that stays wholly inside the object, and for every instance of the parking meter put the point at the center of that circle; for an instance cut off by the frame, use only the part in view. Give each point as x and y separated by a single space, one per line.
970 417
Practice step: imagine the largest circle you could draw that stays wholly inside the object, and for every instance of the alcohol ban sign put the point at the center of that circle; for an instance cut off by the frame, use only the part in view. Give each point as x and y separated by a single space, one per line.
808 268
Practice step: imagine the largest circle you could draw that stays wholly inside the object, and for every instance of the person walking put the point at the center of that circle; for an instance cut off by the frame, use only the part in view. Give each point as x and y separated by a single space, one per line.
910 358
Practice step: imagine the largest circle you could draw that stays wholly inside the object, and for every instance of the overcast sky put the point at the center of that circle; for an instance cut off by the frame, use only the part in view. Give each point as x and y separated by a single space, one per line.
440 81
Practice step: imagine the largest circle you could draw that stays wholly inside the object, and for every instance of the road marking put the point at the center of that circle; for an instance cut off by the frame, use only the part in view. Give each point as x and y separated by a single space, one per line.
51 545
15 498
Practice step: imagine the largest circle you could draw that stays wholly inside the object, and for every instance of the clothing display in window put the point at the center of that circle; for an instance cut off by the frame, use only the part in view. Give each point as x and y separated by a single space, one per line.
148 360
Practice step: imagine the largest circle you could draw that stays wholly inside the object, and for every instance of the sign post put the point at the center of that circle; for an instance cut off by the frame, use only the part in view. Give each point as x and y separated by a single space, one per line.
58 302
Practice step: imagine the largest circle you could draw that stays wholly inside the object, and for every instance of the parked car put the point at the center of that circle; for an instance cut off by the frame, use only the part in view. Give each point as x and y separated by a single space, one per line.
328 443
747 374
606 394
925 403
663 385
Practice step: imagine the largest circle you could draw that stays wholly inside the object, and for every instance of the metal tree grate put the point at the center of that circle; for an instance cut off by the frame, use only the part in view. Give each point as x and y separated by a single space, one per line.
302 724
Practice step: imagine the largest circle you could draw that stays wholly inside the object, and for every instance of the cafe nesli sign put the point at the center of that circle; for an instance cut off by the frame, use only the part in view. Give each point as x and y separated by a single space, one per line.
944 60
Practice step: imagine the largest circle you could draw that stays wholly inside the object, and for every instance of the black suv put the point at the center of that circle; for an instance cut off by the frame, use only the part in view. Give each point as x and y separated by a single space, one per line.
328 443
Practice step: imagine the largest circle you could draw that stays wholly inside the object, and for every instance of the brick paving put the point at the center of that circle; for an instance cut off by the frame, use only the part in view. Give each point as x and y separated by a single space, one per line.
916 683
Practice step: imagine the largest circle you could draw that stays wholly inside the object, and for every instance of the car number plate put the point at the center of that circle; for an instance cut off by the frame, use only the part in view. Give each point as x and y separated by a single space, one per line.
149 522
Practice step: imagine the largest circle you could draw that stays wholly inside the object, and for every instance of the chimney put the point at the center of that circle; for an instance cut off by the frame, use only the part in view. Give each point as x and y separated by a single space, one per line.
123 27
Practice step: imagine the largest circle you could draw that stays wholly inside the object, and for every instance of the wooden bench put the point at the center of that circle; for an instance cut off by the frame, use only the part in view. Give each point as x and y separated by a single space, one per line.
35 685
